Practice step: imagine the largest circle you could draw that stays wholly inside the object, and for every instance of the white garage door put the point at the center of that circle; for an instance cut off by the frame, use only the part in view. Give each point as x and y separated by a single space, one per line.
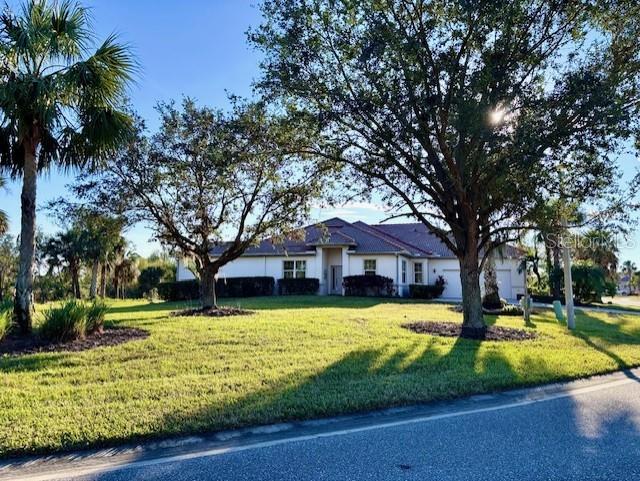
453 287
504 283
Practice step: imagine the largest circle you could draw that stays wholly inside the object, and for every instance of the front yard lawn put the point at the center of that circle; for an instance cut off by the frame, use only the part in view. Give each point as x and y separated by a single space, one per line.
296 357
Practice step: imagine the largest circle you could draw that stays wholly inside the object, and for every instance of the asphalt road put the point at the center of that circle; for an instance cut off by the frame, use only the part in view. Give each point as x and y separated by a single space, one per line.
586 431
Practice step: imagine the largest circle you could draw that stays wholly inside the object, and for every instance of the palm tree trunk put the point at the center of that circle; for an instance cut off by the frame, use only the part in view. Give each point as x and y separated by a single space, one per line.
23 306
103 280
93 290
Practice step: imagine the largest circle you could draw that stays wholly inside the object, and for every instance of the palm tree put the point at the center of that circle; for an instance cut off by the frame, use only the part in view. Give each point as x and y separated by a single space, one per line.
58 106
4 219
629 268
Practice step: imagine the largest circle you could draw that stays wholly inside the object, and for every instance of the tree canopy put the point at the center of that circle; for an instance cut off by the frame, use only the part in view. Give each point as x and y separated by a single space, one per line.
211 179
463 115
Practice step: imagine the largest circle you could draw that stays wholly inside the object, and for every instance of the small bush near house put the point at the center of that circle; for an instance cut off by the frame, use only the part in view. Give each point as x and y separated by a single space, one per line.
420 291
228 287
368 286
65 323
291 287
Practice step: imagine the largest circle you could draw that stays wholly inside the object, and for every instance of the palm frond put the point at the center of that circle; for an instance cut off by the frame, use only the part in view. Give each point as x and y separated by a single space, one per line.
71 32
104 130
102 79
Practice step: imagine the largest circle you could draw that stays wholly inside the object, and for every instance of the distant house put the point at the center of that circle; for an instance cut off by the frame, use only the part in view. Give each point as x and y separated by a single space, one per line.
624 285
333 249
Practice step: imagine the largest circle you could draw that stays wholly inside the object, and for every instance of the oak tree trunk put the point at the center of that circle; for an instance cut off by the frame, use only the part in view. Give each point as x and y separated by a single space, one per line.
23 306
473 325
208 288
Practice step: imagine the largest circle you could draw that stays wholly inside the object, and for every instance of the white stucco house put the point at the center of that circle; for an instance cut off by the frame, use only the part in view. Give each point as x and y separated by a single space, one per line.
333 249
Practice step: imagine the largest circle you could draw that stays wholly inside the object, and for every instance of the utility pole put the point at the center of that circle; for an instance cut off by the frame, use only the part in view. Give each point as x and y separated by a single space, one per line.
568 281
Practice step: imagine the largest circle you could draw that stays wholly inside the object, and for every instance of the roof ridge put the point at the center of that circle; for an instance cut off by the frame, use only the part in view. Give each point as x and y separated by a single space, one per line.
375 227
386 237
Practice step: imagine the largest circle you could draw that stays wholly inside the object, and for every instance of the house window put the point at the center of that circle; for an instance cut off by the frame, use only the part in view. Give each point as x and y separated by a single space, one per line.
294 269
301 269
370 267
417 271
404 272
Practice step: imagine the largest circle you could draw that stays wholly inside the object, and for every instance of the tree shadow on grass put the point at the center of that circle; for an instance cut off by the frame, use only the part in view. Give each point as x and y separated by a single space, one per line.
597 333
361 381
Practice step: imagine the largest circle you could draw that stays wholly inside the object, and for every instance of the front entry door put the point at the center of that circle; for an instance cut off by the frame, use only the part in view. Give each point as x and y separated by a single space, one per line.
336 280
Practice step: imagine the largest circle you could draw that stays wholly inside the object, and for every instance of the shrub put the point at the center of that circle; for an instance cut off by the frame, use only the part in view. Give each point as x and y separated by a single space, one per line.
227 287
372 286
298 286
151 277
245 286
65 323
179 290
421 291
589 283
95 313
152 295
6 318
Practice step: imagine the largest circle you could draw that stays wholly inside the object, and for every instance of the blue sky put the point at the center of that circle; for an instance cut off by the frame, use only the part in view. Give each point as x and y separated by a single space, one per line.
196 48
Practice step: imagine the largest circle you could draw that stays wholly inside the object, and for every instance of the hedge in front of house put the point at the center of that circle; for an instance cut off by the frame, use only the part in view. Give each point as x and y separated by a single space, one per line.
294 287
245 286
368 286
226 287
179 290
423 291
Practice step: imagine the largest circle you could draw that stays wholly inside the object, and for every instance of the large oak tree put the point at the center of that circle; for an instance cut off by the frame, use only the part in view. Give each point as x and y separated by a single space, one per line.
457 112
210 178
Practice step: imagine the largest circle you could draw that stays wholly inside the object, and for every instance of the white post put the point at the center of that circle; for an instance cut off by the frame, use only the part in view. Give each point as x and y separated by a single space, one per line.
568 281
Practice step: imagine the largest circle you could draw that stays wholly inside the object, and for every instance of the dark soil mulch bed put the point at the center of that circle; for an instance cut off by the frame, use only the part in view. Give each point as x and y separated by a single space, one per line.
213 312
19 346
452 329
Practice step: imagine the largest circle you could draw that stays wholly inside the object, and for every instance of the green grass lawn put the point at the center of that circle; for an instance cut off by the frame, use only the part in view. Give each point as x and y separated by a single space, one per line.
296 357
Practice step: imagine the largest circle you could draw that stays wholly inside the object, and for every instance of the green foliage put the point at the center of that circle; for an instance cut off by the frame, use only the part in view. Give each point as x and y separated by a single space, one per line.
96 312
51 287
8 265
208 176
226 287
295 286
65 323
179 290
6 318
150 277
589 282
4 218
430 102
370 286
72 320
423 291
75 100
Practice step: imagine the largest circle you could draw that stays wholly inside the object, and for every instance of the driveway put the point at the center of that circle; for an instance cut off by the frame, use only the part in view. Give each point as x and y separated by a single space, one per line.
586 430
